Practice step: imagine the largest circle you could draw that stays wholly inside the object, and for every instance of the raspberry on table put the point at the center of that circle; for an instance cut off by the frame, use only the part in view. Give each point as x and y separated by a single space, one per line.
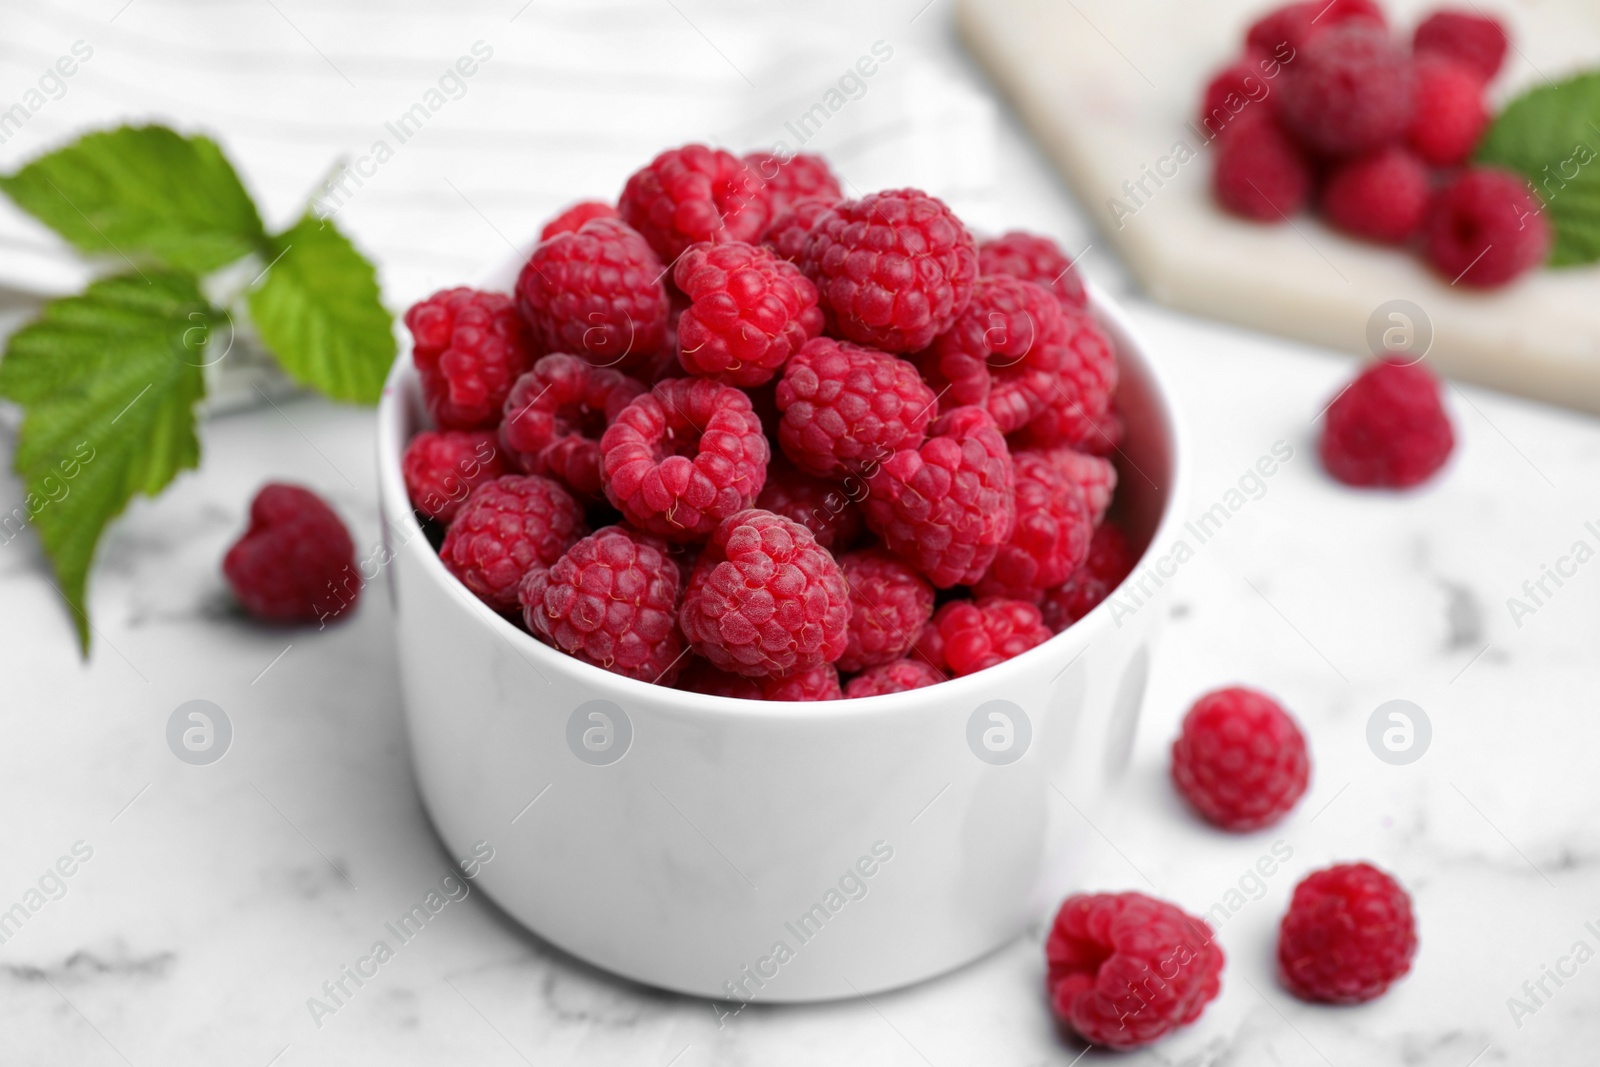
802 176
1240 760
1050 538
823 507
573 218
1382 197
1348 935
847 409
765 599
441 467
1485 228
1451 112
790 231
468 347
596 292
947 506
749 312
974 635
683 457
890 603
1078 413
1350 91
1468 37
1294 24
817 683
1033 258
893 269
1095 477
1110 560
900 676
295 562
692 194
510 526
555 414
1388 429
610 600
1260 173
1126 969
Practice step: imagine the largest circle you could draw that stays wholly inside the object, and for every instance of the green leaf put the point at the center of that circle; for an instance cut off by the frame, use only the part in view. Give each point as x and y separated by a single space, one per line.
109 380
1551 136
319 313
142 194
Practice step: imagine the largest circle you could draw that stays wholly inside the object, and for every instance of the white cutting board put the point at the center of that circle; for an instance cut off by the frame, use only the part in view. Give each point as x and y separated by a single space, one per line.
1108 86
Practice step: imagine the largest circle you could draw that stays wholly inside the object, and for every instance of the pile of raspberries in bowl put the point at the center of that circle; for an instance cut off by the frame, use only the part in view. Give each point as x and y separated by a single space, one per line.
741 435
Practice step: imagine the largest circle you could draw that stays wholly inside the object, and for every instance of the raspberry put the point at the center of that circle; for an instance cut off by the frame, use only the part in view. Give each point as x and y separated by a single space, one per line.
897 677
1233 90
818 683
1475 40
972 635
295 562
1126 969
442 467
1240 760
1295 24
1093 476
847 409
1104 435
555 414
693 194
1349 92
750 312
890 604
610 600
1004 353
1051 537
508 527
824 508
1110 561
572 219
597 293
1383 197
893 269
1485 228
947 506
1080 402
683 457
1260 174
1033 259
791 231
1348 934
765 598
1451 113
701 677
1388 428
469 347
801 177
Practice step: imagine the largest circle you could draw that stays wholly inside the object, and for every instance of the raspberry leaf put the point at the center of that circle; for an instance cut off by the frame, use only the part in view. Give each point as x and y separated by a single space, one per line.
317 309
108 380
144 194
1551 136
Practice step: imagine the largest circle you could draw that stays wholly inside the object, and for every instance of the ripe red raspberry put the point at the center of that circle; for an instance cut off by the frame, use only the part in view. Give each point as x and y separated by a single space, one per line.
1126 969
765 598
1349 933
596 292
1388 428
1033 259
610 600
790 232
893 269
555 414
295 562
1468 37
803 176
1051 537
1260 174
1238 88
693 194
1451 112
469 347
1005 352
1093 476
508 527
1350 91
890 604
1240 760
818 683
683 457
749 312
1104 436
572 219
846 408
442 467
1284 31
973 635
1383 197
898 677
1110 561
1079 409
1485 228
947 506
825 508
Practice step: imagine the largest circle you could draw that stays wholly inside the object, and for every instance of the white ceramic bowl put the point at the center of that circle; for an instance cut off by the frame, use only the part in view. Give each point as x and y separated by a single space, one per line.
769 851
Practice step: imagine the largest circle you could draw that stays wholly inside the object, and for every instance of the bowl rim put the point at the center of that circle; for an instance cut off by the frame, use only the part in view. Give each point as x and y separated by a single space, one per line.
1065 647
